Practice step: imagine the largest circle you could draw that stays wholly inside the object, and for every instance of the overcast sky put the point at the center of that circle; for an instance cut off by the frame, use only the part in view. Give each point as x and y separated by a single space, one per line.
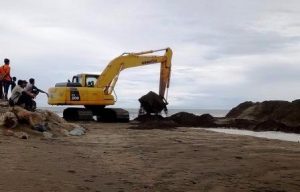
225 51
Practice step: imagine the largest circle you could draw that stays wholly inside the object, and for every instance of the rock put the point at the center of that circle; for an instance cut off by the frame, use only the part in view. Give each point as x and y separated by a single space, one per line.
206 120
78 131
244 123
21 135
39 121
236 111
47 135
8 132
270 125
10 120
185 119
152 102
4 103
41 127
189 119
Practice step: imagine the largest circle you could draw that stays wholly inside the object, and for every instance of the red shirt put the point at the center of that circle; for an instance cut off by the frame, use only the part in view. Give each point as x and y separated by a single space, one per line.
5 69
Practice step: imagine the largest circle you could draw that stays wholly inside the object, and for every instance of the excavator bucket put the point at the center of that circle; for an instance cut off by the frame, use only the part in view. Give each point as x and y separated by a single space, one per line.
153 103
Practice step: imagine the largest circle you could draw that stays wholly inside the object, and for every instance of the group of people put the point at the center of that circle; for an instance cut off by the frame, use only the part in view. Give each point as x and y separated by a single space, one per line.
22 93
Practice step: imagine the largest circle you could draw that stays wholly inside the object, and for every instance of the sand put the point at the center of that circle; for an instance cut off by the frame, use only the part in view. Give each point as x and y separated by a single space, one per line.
111 157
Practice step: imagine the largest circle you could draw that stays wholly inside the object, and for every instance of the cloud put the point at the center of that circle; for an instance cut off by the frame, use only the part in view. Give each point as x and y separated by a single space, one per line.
225 52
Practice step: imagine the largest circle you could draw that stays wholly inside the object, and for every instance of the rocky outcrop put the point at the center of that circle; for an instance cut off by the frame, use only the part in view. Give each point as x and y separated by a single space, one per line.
181 119
268 115
258 116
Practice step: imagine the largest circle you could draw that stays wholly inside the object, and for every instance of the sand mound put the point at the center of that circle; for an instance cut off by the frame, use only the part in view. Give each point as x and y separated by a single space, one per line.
145 118
189 119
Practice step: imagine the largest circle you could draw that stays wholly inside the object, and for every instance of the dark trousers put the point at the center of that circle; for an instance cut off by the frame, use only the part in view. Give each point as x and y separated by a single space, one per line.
24 98
1 90
6 85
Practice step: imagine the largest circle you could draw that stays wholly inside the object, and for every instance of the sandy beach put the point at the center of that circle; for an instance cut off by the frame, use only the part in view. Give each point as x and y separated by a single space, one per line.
111 157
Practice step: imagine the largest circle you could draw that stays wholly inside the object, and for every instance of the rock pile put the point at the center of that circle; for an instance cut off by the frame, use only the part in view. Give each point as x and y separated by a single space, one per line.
267 115
259 116
16 121
181 119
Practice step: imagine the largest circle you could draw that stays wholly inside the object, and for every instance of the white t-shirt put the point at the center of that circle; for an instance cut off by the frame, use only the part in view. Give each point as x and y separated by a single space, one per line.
16 93
29 87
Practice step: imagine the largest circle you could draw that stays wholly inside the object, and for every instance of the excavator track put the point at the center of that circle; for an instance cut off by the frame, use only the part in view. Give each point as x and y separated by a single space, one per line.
77 114
113 115
102 114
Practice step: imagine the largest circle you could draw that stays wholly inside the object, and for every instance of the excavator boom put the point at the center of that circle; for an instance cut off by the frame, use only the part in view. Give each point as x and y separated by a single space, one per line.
109 76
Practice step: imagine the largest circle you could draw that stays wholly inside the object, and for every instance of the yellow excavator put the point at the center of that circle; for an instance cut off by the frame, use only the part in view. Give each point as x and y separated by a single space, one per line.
95 92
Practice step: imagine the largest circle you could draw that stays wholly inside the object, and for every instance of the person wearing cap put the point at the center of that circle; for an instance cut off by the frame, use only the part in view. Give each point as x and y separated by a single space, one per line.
5 77
20 96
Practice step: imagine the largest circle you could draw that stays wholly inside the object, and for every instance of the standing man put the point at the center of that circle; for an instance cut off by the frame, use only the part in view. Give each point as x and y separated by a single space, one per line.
6 78
13 83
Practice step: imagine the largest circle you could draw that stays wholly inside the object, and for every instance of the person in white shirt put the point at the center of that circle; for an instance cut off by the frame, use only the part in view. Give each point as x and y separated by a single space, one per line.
20 96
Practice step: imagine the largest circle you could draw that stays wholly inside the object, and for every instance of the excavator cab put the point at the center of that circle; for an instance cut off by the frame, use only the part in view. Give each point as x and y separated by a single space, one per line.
86 80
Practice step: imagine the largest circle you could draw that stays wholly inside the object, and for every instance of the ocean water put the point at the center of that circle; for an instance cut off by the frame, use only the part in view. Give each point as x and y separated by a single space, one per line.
261 134
133 112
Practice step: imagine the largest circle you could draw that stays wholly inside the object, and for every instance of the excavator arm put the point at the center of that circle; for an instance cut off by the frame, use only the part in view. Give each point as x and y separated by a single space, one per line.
108 78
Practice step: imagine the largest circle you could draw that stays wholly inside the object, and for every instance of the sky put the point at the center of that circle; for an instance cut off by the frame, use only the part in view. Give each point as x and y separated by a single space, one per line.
224 52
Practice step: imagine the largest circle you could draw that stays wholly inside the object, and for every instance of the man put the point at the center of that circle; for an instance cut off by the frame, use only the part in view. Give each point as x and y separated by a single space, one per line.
20 96
30 87
5 77
13 83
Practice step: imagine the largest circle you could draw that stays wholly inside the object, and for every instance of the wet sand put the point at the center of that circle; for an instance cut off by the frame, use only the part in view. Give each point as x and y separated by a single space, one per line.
112 157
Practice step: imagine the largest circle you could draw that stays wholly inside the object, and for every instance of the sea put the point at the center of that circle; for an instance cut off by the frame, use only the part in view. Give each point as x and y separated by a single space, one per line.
133 113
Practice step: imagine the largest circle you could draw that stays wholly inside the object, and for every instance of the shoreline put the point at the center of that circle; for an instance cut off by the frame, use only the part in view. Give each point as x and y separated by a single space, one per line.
274 135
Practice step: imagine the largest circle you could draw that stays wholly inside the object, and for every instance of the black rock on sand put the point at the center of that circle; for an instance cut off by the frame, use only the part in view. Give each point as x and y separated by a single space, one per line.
259 116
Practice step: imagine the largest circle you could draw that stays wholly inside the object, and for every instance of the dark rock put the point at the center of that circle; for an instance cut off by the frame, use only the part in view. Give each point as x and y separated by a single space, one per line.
260 116
152 102
285 112
244 123
236 111
206 120
189 119
272 125
41 127
184 119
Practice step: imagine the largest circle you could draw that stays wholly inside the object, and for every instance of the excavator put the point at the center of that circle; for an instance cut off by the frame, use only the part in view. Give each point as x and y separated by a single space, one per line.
95 92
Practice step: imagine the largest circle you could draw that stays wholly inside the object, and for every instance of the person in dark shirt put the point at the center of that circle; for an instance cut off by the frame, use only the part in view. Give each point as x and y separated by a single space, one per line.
13 83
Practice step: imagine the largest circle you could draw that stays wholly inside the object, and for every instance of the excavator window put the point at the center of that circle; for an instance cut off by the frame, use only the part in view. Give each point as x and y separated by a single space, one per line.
91 81
75 79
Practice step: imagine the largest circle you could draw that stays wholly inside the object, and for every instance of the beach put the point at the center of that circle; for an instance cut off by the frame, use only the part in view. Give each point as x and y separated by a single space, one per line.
112 157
